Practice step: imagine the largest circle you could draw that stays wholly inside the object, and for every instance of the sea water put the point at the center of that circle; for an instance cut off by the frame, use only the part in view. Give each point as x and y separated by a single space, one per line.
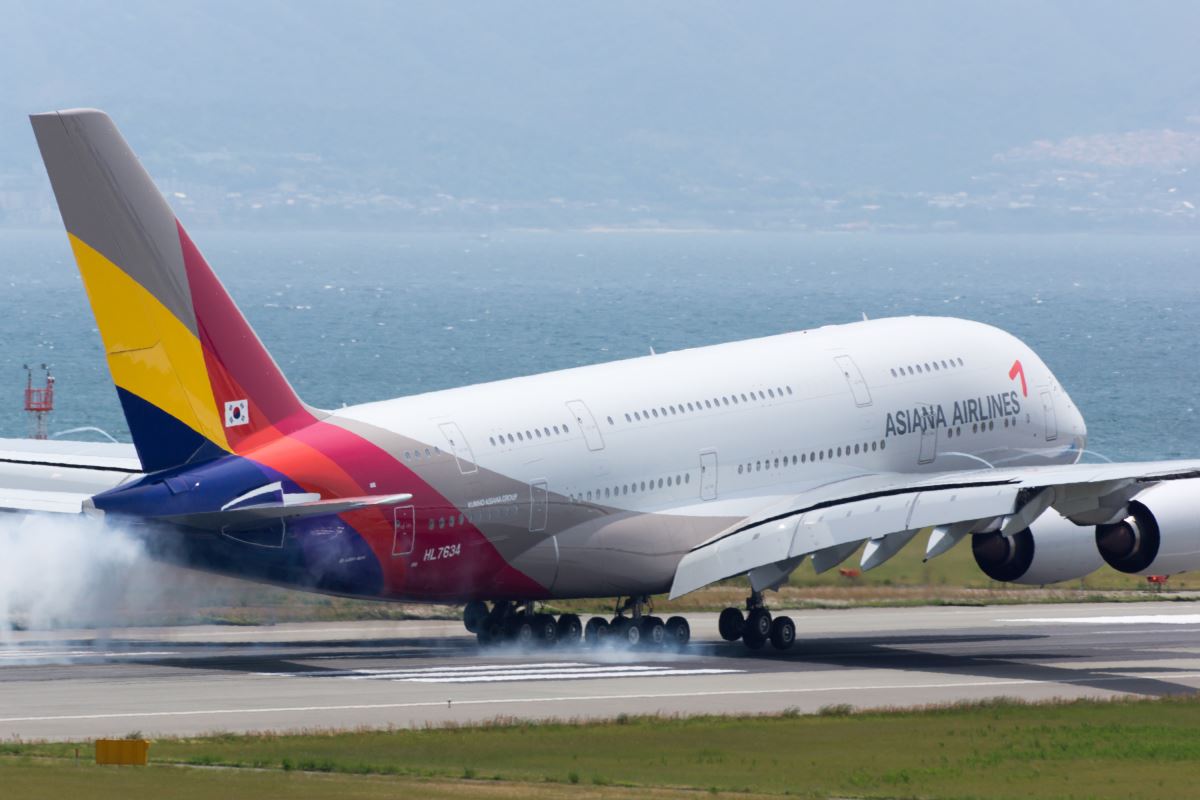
352 317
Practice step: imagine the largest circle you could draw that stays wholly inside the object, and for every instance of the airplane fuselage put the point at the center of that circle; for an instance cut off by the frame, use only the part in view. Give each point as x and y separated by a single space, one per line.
595 481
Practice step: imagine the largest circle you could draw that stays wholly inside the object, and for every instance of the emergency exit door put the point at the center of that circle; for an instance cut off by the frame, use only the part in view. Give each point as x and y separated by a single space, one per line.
1049 415
708 475
855 380
587 424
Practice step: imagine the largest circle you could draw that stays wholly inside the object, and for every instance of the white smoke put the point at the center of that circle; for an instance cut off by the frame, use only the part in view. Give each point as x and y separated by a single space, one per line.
65 571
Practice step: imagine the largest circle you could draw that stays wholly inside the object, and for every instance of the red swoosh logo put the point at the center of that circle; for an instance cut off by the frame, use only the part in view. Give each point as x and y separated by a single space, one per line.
1016 370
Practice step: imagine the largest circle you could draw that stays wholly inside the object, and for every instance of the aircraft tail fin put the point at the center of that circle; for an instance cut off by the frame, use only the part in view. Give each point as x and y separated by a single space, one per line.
193 379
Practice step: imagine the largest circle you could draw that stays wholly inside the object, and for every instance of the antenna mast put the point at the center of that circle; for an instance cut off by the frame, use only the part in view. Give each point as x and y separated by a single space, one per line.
39 401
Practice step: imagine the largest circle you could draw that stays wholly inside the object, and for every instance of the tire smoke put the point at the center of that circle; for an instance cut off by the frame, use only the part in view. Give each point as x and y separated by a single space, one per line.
60 571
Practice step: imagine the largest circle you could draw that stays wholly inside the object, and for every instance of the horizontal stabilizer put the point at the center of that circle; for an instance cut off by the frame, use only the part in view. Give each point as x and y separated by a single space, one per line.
248 516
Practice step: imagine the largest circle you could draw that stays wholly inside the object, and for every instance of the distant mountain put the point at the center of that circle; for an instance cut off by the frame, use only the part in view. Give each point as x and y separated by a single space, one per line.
1020 115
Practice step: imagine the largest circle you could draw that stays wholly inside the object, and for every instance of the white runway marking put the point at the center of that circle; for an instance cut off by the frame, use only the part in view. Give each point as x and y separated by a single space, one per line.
1136 619
499 673
891 687
23 655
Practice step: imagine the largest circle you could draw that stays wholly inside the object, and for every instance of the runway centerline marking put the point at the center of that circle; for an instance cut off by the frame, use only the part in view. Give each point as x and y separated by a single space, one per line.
600 697
18 654
499 673
1133 619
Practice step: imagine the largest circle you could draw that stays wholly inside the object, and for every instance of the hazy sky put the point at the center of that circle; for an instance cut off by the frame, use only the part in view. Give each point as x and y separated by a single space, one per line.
797 115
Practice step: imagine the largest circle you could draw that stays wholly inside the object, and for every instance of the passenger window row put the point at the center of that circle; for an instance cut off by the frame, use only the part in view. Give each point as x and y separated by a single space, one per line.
418 453
753 396
445 522
812 457
927 366
637 487
475 516
529 435
980 427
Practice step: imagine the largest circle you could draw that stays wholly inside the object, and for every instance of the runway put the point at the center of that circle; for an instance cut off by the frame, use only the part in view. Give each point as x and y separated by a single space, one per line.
188 680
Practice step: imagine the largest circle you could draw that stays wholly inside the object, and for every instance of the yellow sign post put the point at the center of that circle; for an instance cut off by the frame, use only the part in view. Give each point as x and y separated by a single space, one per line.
135 752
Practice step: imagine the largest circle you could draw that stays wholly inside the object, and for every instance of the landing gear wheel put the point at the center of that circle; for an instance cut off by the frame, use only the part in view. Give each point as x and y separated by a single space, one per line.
596 632
491 630
545 629
731 623
653 632
520 630
679 633
569 629
758 628
783 633
625 631
474 615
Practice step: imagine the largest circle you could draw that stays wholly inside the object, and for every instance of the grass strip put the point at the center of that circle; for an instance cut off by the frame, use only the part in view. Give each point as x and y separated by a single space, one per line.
1000 749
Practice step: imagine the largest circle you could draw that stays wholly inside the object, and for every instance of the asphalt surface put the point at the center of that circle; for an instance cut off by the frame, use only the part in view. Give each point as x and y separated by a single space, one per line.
162 681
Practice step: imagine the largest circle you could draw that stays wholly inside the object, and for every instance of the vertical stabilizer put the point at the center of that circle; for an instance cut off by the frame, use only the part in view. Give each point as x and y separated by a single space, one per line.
193 379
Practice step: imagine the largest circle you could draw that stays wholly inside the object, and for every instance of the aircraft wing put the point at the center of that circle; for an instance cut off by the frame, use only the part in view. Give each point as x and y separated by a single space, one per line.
829 522
51 475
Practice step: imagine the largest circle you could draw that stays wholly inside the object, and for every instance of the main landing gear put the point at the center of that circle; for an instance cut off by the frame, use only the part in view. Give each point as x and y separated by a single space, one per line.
756 627
522 624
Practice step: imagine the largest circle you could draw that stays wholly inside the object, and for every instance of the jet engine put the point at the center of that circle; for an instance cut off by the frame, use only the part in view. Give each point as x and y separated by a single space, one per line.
1052 549
1160 535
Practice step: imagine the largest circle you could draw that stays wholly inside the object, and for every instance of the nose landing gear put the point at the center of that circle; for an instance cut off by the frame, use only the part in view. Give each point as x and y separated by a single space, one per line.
756 627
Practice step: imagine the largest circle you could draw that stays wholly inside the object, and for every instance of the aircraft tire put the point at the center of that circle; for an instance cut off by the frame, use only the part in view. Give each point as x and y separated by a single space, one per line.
545 629
653 632
679 633
758 628
474 614
783 633
520 630
570 629
491 631
731 624
596 632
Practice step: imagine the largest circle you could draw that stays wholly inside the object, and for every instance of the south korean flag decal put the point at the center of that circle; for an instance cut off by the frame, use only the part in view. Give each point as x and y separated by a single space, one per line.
237 412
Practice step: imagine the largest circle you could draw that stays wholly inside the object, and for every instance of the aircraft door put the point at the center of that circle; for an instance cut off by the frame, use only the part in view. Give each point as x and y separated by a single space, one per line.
708 475
539 505
404 537
929 442
460 447
854 379
1049 415
587 424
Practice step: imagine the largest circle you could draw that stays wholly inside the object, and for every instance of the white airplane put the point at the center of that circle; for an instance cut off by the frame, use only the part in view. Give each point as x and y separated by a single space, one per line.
627 479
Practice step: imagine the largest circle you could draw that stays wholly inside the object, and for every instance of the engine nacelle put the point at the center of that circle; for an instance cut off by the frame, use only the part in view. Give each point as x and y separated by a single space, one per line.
1052 549
1161 534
